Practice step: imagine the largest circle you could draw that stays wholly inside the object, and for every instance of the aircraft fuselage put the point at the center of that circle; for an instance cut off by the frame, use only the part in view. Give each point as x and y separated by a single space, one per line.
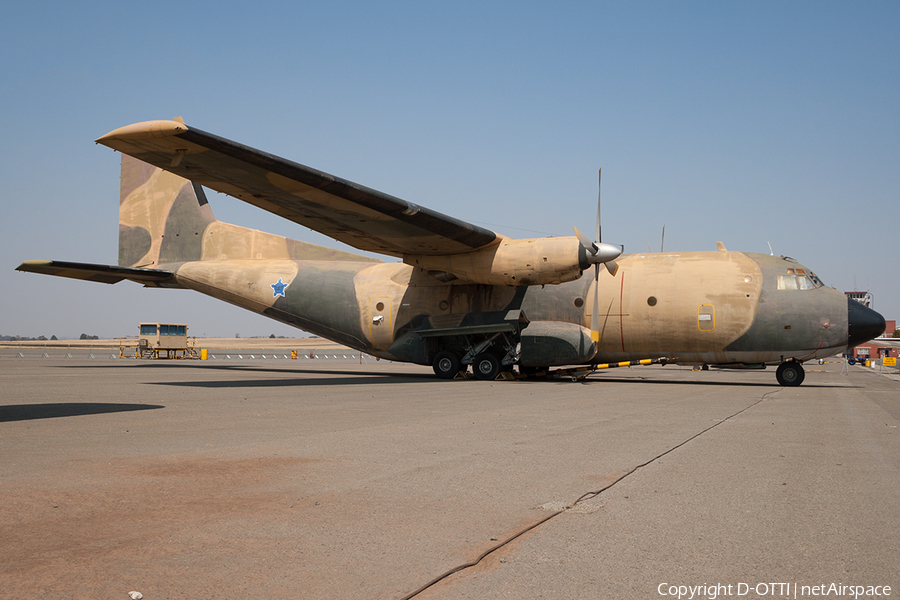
720 308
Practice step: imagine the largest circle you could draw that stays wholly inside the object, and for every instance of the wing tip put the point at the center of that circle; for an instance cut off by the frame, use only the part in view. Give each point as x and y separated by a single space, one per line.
144 130
30 265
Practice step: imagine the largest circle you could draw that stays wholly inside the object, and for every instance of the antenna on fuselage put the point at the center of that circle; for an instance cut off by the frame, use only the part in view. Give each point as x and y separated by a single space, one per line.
662 242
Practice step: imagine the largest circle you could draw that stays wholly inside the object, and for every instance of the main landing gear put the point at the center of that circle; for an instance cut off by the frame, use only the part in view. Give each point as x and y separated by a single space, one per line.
790 374
485 366
488 355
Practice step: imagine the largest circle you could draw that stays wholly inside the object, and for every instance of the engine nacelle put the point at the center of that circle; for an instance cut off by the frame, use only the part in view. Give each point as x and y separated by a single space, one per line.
553 343
511 262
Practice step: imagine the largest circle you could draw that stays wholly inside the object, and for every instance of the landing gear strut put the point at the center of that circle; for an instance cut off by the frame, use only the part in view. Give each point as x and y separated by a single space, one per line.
790 374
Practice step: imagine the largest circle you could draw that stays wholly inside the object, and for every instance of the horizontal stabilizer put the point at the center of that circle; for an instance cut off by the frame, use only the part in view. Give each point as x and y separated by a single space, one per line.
99 273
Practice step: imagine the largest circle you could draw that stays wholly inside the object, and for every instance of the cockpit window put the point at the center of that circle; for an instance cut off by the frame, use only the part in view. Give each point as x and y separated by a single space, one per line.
798 279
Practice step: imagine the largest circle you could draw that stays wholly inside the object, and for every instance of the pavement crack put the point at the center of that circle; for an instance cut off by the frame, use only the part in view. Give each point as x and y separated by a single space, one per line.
594 494
582 498
483 555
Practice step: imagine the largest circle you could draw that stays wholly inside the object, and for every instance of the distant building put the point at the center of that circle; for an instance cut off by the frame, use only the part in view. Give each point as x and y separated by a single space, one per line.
864 298
170 340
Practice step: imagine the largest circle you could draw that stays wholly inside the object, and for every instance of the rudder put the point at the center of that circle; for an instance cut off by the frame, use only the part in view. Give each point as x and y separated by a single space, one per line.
162 216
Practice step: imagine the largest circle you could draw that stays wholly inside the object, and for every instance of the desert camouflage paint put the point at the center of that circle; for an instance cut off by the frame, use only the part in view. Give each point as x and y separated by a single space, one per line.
459 286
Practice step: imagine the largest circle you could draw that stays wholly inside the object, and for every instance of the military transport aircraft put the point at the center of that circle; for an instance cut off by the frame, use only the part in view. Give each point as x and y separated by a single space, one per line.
461 295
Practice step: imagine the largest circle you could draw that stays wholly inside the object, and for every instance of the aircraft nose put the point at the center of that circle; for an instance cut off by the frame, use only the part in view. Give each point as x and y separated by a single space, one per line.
863 323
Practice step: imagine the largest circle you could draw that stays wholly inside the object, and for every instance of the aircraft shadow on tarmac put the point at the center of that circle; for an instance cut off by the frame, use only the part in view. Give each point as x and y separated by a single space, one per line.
357 377
368 378
641 380
336 378
28 412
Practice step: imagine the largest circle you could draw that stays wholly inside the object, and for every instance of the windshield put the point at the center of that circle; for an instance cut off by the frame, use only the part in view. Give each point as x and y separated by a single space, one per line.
799 279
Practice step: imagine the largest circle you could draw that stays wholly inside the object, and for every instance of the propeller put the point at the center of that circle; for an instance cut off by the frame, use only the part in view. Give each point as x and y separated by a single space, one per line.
598 253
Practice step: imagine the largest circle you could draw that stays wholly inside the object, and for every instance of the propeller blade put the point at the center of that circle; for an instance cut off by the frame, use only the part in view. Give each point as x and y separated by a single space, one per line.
597 237
588 244
663 240
599 252
595 314
613 267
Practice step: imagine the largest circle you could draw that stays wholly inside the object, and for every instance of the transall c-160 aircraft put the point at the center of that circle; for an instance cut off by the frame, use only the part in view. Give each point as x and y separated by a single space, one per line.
461 295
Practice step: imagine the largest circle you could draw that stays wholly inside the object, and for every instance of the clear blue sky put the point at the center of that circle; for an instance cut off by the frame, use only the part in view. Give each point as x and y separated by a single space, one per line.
747 122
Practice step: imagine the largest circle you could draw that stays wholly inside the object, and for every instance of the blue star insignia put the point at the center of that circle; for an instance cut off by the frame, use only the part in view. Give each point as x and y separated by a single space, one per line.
278 288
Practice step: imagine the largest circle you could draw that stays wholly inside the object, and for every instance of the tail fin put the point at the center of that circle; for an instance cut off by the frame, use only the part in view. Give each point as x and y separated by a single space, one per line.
162 217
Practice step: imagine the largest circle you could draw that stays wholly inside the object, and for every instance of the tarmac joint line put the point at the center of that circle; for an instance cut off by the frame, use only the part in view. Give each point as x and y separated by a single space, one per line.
582 498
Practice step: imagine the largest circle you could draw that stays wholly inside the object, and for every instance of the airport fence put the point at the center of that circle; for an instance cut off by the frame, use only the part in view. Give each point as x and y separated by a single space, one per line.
238 354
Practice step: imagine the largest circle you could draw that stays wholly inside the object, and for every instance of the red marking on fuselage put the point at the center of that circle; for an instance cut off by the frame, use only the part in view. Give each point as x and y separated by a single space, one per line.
622 311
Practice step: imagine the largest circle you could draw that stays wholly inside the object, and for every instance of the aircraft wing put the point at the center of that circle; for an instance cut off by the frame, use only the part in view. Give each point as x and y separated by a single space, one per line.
99 273
348 212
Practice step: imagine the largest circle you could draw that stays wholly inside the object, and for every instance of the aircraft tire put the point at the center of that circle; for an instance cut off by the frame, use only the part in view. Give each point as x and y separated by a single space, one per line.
486 366
446 364
790 374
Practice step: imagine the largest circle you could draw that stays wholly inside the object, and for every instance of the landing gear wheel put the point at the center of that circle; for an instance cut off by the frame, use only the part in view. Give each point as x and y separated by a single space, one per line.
790 374
486 366
446 364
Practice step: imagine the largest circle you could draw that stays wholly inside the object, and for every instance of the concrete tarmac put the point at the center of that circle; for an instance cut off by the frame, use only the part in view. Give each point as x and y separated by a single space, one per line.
292 479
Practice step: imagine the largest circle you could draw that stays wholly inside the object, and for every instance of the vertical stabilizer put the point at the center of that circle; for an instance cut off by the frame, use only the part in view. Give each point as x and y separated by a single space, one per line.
165 219
162 217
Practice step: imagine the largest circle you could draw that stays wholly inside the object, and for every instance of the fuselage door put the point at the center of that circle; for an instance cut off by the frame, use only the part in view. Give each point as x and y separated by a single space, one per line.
381 329
706 317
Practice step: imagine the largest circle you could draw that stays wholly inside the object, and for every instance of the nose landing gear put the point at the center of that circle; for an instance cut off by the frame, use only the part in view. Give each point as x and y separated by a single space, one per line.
790 374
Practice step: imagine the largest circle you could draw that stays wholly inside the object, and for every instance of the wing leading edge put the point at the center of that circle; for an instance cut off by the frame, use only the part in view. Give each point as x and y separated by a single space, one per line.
356 215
